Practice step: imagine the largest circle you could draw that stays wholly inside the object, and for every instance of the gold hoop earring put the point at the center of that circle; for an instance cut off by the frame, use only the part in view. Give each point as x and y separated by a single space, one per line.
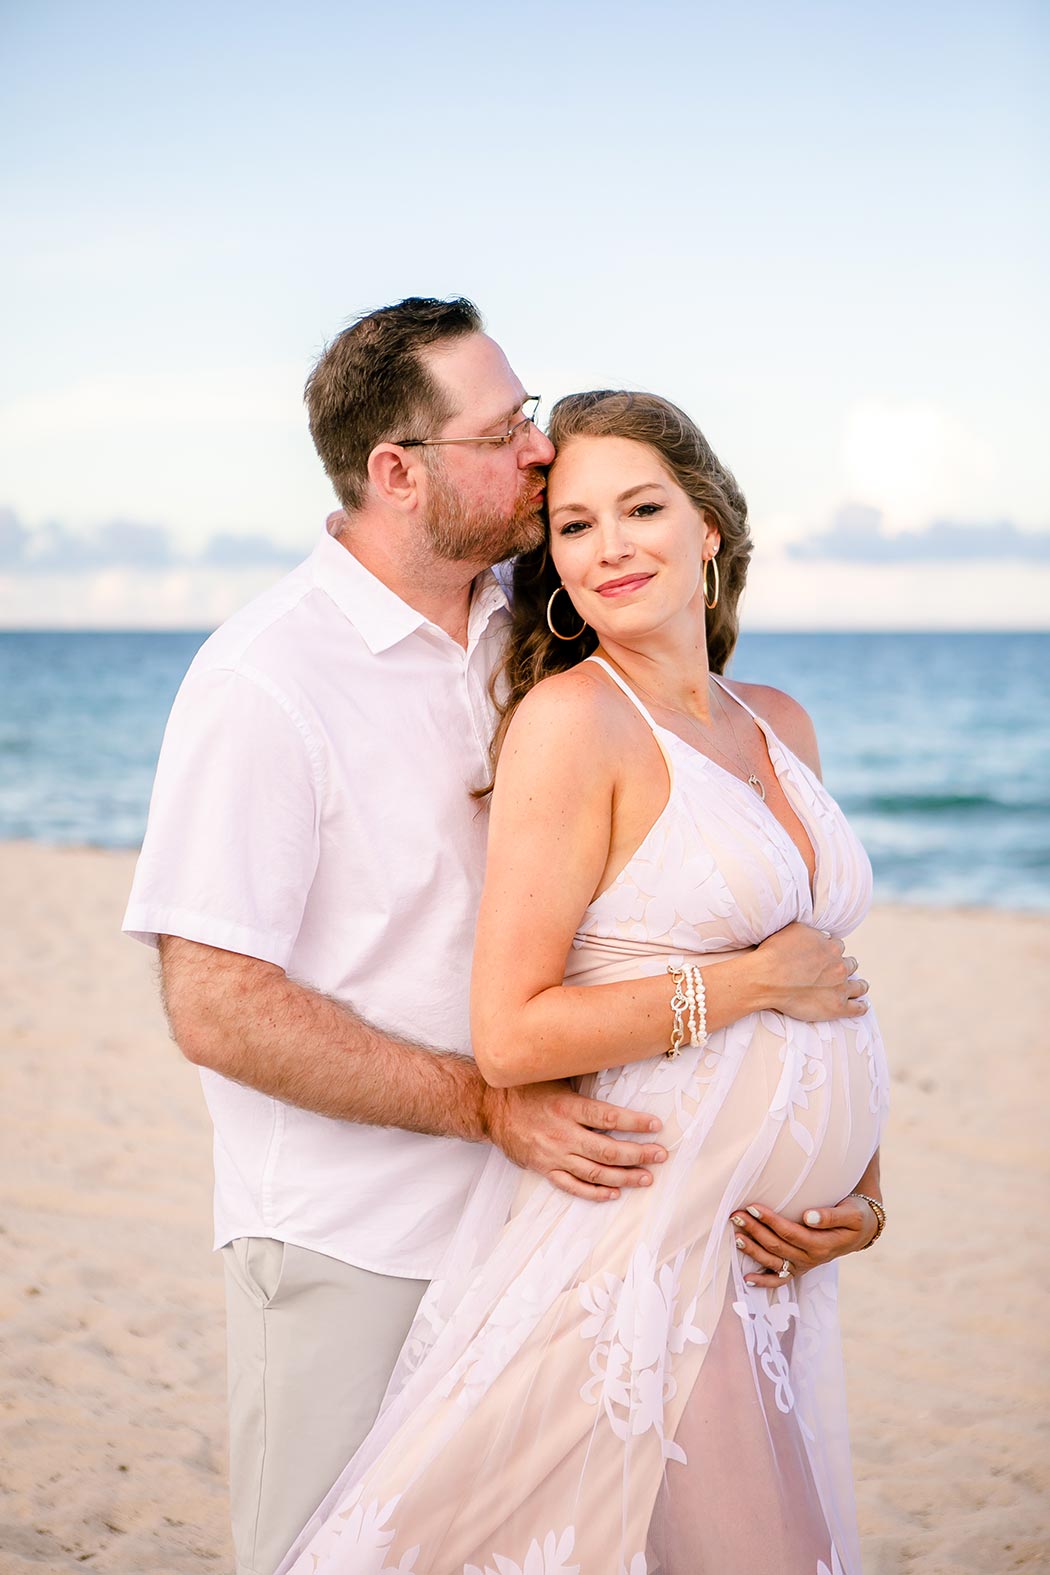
550 621
710 602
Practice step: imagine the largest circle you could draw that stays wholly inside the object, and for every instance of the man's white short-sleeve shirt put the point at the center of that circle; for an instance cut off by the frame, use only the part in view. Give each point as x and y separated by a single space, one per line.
312 808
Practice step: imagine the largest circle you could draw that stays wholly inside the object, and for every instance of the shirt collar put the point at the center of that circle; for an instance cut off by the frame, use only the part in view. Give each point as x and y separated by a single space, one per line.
487 598
378 614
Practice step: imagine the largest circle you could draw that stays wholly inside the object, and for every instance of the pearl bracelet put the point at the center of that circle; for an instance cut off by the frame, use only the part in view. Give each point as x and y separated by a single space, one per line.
697 1009
689 997
880 1216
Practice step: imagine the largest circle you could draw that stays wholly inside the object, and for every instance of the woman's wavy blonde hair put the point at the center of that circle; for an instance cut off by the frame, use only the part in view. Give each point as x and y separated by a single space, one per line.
533 653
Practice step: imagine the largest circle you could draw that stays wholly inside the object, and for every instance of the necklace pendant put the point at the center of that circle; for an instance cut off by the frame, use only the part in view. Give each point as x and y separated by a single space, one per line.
753 781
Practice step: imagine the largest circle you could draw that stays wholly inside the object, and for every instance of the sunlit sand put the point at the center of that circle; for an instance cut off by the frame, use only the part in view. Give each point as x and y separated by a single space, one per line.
111 1351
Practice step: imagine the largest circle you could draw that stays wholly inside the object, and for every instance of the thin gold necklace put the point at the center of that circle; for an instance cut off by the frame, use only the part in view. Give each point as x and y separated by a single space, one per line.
750 777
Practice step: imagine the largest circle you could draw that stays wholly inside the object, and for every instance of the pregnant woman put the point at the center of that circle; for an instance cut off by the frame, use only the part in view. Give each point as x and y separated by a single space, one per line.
654 1386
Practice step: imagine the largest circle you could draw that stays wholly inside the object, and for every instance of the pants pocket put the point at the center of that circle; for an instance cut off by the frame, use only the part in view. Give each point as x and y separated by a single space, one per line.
257 1264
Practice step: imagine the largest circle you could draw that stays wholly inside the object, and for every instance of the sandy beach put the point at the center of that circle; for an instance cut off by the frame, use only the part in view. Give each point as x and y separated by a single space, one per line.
111 1341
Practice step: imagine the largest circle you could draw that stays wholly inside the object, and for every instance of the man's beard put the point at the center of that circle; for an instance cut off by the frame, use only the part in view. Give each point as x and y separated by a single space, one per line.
464 533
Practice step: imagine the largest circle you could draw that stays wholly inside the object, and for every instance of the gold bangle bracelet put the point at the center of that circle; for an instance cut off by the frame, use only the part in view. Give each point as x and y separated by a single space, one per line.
678 1006
880 1217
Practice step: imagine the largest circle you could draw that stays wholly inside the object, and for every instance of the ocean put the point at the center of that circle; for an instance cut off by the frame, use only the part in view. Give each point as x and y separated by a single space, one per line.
936 745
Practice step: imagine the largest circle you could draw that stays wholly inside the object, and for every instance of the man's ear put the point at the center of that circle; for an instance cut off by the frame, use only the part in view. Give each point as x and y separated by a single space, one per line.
394 473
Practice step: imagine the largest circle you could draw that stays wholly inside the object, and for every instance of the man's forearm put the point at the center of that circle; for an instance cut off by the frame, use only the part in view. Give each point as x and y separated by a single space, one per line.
250 1022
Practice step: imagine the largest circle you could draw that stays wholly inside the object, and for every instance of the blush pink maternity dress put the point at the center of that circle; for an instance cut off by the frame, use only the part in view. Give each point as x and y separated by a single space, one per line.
592 1389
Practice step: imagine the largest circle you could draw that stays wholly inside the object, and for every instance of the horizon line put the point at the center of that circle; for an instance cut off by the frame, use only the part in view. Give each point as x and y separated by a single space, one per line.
207 630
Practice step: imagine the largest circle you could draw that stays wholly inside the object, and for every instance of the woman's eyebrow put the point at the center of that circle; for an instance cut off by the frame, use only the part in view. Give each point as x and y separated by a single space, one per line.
582 508
645 486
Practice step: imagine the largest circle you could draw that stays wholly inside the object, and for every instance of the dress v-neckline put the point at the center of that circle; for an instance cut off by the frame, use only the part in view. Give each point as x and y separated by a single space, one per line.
810 883
771 742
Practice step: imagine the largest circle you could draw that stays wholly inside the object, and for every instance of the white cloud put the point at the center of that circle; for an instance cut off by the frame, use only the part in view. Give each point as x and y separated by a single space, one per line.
129 402
117 598
218 450
857 535
914 462
128 544
787 592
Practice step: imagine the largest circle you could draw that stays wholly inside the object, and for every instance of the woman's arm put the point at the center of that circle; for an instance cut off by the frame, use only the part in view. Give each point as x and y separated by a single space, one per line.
549 840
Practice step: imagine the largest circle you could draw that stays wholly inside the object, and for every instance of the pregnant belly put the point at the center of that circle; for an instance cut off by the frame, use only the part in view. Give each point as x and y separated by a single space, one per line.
776 1111
823 1117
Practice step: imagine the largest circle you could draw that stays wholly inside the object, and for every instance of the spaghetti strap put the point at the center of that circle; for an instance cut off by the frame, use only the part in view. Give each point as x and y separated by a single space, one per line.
621 683
600 661
762 723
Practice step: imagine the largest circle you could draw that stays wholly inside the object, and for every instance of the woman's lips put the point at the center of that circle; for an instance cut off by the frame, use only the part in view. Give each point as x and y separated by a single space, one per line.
624 587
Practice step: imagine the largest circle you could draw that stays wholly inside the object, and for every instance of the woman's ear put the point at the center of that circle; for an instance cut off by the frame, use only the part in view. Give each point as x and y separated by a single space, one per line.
712 536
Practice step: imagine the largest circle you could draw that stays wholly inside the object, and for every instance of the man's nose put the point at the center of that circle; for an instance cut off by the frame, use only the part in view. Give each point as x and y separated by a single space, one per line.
537 450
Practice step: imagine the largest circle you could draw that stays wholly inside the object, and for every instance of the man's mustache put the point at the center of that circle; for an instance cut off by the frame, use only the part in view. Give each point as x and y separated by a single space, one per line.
533 480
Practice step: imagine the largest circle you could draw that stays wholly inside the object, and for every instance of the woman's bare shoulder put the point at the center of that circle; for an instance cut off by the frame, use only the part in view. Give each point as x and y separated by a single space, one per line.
579 704
789 720
562 750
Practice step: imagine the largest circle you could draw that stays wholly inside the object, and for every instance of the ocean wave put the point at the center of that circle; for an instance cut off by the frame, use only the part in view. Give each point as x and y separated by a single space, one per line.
942 804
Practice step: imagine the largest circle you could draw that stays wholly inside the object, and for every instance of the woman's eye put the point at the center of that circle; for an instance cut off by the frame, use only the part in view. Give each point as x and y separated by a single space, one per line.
572 527
646 510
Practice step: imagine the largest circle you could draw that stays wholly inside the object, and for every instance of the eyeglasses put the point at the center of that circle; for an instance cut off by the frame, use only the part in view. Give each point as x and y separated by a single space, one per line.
518 428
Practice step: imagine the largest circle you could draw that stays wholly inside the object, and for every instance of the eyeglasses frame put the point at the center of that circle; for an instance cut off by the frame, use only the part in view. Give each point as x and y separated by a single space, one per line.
503 438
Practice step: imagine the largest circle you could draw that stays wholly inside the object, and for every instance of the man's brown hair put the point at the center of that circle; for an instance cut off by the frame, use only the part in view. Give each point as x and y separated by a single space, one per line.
371 385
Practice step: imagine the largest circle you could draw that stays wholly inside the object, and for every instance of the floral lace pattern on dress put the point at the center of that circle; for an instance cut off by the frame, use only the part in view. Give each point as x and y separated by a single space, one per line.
593 1389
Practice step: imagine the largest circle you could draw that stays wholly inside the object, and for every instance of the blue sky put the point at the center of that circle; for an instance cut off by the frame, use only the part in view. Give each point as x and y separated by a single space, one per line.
821 228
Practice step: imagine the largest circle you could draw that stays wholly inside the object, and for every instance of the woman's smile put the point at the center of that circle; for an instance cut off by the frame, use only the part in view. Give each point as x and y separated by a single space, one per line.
624 586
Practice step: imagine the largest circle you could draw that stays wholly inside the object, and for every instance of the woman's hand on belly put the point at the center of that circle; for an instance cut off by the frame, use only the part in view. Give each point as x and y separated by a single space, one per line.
771 1240
803 972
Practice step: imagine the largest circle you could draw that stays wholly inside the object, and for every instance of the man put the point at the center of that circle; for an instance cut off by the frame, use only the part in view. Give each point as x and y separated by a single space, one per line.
311 873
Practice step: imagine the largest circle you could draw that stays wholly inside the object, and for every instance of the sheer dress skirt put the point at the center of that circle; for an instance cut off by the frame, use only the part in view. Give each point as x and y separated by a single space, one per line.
593 1387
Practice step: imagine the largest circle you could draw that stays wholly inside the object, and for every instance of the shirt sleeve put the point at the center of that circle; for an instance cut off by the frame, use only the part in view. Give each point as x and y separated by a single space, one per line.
233 836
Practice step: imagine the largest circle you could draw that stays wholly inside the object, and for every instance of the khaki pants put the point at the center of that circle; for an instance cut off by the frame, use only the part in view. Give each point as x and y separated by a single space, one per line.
311 1345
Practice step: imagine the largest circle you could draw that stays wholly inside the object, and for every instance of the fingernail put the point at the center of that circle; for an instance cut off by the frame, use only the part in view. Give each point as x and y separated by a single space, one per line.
654 1126
645 1180
811 1217
738 1221
741 1242
754 1213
